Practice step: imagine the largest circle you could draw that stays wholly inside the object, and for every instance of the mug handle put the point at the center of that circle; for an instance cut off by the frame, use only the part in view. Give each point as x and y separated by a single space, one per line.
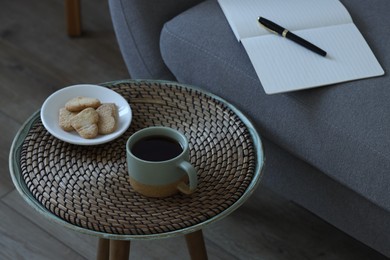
192 177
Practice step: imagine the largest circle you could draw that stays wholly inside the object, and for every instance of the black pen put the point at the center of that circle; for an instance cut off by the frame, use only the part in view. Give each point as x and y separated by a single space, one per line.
273 27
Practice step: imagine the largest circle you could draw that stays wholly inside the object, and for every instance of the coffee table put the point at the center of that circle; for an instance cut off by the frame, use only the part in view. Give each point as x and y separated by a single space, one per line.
86 188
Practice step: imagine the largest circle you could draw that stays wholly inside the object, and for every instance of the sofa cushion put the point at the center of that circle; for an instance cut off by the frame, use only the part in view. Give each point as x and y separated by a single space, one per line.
343 129
138 37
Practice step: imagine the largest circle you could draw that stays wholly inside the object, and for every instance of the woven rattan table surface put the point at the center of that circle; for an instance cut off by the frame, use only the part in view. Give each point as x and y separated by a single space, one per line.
86 188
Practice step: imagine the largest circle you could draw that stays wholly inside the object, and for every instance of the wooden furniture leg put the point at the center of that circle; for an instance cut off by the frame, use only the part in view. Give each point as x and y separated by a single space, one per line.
119 249
73 17
196 245
103 252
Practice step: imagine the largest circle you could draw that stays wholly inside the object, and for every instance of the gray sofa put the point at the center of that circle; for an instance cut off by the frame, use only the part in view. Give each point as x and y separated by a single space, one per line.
327 149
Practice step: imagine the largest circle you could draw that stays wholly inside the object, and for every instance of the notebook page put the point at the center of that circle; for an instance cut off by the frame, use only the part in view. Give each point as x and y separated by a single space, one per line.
292 14
283 65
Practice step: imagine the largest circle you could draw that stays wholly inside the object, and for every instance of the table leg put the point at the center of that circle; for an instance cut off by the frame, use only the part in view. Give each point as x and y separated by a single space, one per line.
119 249
103 249
73 17
196 245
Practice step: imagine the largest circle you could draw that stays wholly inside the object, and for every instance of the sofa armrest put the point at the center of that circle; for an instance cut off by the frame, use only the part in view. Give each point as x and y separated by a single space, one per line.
137 25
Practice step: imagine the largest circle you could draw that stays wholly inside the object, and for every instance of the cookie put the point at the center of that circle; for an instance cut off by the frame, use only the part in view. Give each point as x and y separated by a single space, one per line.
65 118
78 104
108 117
85 123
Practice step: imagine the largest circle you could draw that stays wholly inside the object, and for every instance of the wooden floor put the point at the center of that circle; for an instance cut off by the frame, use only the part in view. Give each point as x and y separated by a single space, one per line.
37 58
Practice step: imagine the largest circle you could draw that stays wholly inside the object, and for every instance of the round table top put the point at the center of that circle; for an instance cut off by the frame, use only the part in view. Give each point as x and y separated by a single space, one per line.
86 188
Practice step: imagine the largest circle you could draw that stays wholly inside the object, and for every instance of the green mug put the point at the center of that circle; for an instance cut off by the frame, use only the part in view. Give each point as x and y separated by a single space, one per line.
158 162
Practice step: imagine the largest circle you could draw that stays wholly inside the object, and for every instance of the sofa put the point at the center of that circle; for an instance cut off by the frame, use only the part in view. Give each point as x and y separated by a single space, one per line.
327 148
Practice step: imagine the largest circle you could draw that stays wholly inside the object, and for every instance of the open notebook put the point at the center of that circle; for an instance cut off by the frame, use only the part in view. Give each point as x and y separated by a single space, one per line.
283 65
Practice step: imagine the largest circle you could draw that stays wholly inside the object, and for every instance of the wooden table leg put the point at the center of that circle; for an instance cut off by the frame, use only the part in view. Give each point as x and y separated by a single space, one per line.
196 245
103 249
73 17
119 249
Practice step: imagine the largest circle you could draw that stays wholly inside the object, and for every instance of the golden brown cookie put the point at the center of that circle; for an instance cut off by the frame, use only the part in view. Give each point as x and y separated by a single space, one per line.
65 118
108 117
85 123
78 104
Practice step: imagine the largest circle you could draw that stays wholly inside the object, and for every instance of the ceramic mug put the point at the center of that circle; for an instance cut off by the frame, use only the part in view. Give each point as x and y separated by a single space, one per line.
158 162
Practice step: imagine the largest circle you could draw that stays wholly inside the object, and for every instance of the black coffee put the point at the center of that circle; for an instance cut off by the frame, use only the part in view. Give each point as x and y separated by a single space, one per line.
156 148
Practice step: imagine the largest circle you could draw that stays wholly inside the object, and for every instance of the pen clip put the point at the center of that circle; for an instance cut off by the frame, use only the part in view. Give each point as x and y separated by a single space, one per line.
265 27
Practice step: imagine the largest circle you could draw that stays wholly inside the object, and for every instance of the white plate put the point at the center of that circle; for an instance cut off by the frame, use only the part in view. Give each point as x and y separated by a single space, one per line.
50 112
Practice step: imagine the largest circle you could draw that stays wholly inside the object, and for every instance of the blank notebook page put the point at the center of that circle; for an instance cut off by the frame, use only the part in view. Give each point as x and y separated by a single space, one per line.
279 61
